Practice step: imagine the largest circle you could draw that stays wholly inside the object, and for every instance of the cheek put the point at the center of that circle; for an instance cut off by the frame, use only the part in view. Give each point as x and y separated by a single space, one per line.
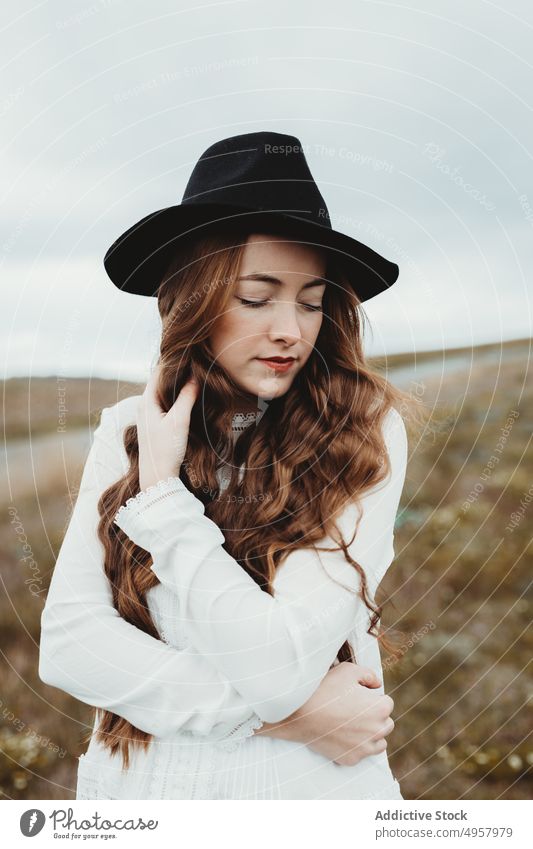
232 336
313 330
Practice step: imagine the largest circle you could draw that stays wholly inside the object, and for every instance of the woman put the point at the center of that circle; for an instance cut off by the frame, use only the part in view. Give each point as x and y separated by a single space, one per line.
232 526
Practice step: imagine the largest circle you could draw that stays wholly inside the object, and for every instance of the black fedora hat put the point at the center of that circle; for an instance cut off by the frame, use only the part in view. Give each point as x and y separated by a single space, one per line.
252 182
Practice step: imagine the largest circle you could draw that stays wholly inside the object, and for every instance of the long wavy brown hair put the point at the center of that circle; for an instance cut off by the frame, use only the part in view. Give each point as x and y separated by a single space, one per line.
316 448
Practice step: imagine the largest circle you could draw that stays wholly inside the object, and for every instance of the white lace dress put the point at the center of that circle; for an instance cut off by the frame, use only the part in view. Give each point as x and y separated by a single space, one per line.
231 656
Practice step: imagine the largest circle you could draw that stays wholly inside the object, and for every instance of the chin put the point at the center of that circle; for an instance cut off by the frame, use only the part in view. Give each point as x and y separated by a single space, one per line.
265 388
272 389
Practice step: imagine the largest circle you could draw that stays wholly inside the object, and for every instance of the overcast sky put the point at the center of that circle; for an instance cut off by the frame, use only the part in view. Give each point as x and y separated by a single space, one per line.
417 122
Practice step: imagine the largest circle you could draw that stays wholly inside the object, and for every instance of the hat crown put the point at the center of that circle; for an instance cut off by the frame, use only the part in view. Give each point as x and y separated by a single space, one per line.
268 166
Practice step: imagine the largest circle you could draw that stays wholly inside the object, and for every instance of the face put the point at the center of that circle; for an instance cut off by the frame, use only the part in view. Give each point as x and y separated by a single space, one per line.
275 312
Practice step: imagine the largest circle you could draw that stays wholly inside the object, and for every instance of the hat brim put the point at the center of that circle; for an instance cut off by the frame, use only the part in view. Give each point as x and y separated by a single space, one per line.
137 260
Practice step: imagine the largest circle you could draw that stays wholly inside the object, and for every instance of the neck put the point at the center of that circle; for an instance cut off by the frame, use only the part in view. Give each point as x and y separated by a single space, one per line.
258 405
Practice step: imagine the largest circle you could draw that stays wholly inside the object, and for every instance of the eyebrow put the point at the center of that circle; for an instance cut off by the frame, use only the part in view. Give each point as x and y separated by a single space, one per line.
268 278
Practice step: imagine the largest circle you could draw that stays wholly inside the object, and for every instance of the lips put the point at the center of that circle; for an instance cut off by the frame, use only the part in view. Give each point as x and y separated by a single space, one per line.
279 364
277 359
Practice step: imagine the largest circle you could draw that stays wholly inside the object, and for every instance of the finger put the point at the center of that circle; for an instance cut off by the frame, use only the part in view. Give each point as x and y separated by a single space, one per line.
186 399
368 678
390 725
149 405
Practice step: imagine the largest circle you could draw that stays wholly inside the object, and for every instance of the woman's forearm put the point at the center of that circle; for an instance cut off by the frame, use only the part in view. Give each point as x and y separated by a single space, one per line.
288 729
346 719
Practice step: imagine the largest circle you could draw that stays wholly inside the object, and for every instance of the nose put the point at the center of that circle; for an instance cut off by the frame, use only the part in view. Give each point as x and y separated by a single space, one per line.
285 324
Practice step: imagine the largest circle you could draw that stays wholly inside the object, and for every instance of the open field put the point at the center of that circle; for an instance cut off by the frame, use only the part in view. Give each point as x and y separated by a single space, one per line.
460 586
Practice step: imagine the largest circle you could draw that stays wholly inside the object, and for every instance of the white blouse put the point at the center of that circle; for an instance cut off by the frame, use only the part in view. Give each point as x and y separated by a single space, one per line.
230 656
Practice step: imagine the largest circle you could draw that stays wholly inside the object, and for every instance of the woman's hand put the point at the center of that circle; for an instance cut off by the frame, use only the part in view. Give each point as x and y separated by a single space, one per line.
163 437
343 720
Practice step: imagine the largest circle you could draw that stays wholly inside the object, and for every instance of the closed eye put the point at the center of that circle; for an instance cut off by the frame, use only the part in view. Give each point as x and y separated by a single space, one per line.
256 304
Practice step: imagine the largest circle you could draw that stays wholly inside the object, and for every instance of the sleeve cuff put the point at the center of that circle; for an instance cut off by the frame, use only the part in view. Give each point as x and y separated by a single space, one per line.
241 731
165 512
146 497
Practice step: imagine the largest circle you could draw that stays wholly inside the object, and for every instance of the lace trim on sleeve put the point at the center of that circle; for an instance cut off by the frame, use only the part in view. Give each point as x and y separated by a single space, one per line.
146 497
241 731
